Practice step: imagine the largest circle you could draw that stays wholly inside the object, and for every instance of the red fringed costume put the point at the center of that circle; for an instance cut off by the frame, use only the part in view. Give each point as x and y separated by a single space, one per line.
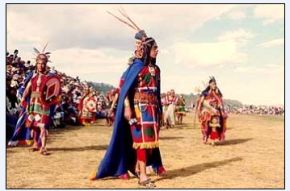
212 115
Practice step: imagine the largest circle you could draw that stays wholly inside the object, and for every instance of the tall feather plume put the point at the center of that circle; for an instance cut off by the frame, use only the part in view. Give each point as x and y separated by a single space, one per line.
121 20
36 51
44 47
123 12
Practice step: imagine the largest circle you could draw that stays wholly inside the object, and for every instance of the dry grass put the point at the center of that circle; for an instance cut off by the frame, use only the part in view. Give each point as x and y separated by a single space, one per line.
252 157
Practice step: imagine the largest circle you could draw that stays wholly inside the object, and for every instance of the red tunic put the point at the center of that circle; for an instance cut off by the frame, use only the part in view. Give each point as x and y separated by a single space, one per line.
38 110
213 124
146 133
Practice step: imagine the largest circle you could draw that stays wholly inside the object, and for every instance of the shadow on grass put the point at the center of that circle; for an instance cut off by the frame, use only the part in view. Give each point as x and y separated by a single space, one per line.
170 138
190 170
235 141
85 148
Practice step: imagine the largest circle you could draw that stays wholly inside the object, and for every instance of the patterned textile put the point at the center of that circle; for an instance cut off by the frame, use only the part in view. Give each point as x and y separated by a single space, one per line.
212 117
146 132
33 112
120 155
37 110
89 107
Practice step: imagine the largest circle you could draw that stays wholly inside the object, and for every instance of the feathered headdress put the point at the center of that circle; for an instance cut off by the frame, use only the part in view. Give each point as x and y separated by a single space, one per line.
211 79
147 42
37 53
140 35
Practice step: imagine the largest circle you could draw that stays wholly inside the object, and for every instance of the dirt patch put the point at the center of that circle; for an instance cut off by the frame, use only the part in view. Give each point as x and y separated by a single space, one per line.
251 157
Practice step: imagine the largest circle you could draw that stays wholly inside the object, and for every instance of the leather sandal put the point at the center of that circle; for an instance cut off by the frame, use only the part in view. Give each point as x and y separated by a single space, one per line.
33 149
147 183
43 151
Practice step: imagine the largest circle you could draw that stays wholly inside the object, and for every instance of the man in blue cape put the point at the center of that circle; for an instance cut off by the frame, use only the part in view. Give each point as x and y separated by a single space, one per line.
133 141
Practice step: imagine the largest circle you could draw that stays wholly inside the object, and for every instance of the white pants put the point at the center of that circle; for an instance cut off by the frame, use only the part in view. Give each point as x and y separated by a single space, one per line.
170 114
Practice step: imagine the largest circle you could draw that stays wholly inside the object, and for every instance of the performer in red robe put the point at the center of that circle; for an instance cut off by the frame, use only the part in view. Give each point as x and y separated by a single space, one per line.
88 107
41 92
211 113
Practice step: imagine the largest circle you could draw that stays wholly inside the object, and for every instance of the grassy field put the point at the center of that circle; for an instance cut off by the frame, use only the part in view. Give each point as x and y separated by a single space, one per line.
252 157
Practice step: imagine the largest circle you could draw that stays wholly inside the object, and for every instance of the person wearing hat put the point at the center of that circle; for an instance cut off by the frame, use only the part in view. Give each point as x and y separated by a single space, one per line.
211 113
37 109
135 139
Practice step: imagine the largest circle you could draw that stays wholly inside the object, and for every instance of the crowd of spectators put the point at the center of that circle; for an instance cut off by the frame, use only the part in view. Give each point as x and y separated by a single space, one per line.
72 91
258 110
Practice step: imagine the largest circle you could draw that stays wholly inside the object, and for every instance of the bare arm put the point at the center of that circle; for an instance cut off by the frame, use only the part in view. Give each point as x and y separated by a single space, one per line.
127 111
114 101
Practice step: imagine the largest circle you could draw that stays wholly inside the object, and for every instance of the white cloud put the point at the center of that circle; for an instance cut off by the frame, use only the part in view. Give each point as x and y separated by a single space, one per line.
86 41
267 69
236 15
93 65
240 36
84 61
206 54
272 43
223 51
270 13
89 26
80 36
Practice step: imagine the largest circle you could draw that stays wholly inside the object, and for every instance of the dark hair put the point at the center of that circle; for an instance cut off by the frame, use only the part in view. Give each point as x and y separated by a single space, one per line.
212 79
148 45
206 91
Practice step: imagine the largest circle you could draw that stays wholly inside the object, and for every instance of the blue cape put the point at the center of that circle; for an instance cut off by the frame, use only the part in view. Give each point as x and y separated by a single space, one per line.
120 156
21 133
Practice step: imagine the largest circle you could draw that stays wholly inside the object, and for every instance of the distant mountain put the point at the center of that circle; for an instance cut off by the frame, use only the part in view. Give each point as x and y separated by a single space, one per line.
233 103
190 99
101 87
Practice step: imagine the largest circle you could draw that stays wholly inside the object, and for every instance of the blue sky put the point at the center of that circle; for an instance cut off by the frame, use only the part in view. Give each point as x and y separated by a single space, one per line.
241 45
